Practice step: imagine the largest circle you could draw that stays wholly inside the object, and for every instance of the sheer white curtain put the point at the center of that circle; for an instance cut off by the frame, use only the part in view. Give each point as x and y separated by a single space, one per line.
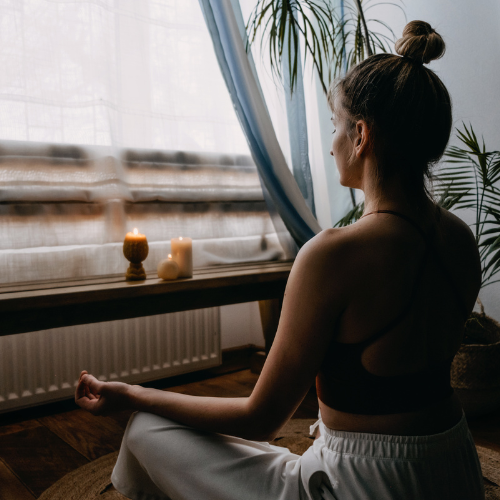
125 73
114 115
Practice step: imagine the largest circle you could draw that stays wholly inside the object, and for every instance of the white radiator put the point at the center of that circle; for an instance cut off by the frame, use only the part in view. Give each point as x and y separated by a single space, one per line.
41 367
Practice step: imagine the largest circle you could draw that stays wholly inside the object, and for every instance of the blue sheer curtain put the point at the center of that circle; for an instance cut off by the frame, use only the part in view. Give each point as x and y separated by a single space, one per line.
224 20
297 130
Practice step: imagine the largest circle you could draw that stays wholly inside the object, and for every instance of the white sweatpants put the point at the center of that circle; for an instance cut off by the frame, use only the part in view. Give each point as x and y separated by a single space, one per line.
161 459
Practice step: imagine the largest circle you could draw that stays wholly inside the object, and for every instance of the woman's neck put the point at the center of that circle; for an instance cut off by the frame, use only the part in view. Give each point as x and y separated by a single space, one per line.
391 195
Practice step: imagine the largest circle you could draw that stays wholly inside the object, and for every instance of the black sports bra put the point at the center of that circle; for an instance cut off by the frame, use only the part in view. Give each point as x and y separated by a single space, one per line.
344 384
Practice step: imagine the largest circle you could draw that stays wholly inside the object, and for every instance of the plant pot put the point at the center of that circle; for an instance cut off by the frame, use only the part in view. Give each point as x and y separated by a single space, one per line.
475 371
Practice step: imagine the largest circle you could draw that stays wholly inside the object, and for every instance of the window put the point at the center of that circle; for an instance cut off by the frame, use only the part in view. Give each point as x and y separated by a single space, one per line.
114 115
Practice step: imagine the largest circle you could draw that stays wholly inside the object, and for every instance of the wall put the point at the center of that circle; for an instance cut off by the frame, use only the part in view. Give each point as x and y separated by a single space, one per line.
240 325
470 69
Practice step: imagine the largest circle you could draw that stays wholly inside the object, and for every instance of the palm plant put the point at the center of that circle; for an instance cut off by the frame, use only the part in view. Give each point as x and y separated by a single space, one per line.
469 179
352 216
334 40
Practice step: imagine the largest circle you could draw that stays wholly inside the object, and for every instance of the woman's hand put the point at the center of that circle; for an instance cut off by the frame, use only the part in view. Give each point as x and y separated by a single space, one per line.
99 397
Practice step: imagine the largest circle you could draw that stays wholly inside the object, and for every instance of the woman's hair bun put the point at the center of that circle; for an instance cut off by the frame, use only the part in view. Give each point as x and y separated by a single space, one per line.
420 43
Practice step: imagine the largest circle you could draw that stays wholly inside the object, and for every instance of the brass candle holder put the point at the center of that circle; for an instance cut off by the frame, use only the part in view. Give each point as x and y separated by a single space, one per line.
135 249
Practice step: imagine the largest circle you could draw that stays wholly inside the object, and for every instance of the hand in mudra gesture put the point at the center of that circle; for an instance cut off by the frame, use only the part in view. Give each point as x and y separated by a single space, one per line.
100 397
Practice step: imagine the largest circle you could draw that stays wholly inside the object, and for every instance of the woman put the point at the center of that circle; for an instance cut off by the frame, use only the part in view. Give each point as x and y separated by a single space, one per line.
374 312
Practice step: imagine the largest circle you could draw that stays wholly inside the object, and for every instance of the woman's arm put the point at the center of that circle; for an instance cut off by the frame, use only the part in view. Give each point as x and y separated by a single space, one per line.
224 415
315 296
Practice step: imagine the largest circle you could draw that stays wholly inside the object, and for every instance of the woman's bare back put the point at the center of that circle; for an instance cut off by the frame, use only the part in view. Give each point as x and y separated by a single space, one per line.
387 258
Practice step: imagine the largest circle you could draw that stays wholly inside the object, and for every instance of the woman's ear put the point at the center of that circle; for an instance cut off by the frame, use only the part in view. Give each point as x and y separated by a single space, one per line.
361 138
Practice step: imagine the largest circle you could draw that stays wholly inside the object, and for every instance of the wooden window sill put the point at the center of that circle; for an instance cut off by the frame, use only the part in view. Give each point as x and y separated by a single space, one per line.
27 307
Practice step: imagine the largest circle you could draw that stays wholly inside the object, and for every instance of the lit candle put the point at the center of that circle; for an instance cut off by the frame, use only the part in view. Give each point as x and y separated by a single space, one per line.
135 249
182 252
168 269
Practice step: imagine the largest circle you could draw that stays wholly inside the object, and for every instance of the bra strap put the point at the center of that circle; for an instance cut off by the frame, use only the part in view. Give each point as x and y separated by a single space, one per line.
402 216
458 297
395 321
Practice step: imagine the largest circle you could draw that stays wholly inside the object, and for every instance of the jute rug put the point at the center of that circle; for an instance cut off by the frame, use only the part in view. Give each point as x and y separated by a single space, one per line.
92 481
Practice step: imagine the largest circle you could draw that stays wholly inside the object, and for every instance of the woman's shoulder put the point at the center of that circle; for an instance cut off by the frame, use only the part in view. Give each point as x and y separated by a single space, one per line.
322 272
345 244
455 239
455 228
324 254
457 247
332 254
328 245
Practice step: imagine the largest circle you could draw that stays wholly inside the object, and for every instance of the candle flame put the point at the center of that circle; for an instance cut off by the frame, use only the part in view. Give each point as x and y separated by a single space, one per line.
169 256
136 231
180 237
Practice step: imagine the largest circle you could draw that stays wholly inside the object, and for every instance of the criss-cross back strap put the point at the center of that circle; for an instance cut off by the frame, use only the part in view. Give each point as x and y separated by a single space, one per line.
394 322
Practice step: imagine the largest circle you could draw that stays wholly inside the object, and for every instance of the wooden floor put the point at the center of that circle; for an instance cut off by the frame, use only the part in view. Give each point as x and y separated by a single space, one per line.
38 447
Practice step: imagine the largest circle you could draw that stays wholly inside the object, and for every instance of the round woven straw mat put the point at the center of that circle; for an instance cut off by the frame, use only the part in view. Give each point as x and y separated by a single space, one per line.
89 482
92 481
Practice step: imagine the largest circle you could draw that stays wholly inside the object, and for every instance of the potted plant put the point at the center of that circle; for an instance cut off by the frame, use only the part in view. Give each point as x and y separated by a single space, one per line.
468 179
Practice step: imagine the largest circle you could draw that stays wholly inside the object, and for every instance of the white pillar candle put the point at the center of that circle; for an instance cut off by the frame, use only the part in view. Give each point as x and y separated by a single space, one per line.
182 253
168 269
